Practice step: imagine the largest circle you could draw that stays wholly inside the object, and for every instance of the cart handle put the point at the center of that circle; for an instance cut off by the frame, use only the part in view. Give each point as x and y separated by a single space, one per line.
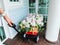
14 26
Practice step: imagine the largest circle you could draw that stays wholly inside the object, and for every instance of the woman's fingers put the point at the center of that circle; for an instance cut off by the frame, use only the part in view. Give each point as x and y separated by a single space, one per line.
10 24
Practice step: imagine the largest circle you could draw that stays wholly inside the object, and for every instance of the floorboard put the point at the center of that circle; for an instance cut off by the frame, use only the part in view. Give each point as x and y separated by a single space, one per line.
20 41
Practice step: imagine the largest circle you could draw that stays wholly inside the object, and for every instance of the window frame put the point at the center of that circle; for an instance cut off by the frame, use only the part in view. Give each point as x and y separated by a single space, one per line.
37 7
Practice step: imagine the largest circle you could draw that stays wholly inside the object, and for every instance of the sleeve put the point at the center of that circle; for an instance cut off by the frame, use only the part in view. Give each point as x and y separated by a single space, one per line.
4 14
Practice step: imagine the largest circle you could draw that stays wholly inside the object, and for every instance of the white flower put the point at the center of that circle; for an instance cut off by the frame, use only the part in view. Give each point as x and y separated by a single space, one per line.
42 23
29 20
33 23
27 25
24 22
33 20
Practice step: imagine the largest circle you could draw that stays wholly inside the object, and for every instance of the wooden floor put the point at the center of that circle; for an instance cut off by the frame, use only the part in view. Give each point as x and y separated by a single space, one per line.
20 41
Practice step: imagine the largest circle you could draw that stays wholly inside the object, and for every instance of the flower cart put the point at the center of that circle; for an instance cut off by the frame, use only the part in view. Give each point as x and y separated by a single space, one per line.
31 26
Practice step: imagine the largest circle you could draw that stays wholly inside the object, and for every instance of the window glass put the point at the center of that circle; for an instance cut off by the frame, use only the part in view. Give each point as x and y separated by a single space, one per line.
32 10
42 3
32 6
31 3
2 34
43 11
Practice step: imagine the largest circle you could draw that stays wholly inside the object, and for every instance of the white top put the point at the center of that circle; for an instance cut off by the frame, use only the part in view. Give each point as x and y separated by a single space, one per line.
1 18
4 14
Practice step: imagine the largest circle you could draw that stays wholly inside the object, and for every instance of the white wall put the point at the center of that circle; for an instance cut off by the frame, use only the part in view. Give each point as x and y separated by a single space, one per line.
1 4
16 11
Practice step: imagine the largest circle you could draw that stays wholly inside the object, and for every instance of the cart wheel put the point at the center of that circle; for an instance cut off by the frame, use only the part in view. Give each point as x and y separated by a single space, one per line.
37 39
24 35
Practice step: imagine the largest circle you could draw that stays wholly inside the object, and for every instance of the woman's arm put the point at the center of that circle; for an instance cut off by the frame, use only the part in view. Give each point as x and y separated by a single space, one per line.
9 21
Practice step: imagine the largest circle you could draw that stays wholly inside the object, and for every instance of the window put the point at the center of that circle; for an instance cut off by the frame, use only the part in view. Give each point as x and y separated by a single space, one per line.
43 6
32 5
14 0
38 6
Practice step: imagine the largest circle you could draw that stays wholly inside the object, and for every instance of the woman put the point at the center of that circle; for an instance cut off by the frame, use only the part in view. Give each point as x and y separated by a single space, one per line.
9 21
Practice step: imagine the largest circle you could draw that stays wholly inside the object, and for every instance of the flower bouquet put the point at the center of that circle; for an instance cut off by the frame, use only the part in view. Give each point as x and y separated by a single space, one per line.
32 24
